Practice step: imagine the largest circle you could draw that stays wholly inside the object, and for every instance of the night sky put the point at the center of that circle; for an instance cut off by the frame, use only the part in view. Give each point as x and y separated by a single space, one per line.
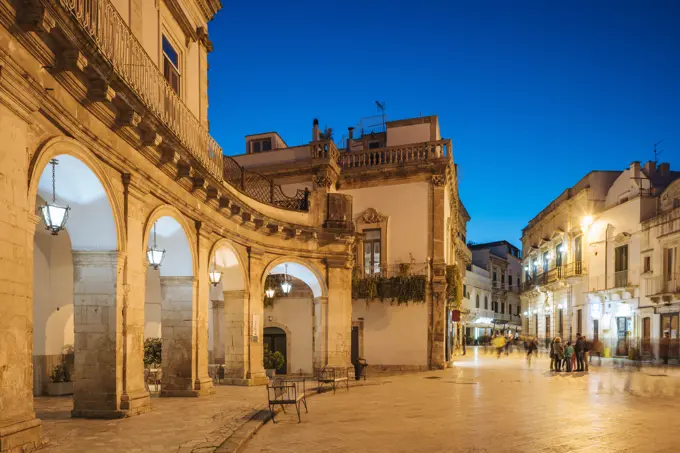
533 94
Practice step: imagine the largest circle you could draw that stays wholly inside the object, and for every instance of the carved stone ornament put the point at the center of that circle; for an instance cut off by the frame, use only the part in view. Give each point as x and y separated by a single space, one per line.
322 180
438 180
370 215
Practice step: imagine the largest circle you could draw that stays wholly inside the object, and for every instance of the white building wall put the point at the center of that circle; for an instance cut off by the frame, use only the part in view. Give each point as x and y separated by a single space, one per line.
404 135
295 316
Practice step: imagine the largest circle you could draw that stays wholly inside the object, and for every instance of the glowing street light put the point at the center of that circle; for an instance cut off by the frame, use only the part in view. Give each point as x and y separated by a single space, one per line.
215 275
154 254
286 285
54 216
586 221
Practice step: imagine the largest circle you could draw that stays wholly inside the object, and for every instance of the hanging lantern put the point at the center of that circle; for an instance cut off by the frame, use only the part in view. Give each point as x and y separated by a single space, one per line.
286 284
215 275
154 254
54 216
269 292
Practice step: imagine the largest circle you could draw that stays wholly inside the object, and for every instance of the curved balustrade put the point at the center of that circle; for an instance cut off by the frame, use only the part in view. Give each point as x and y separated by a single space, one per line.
403 154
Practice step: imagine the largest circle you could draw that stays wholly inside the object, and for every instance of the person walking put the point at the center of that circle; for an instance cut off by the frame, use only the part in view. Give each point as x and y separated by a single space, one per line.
568 354
552 354
579 349
499 343
598 348
665 347
532 348
558 349
586 352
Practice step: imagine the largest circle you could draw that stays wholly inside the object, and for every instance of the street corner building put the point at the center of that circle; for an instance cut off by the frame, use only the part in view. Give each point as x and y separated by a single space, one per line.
600 260
125 222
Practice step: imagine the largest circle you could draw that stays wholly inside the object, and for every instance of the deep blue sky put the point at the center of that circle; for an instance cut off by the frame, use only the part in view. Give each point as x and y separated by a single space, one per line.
533 94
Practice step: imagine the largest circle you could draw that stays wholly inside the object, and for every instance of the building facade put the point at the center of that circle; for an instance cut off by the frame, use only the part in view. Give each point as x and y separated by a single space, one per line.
103 108
582 258
408 221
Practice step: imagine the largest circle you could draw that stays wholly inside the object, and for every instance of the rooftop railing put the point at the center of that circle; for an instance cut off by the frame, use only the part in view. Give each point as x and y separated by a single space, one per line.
396 155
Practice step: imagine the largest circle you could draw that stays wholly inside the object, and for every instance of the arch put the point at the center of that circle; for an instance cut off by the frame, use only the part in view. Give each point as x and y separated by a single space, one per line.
300 269
64 146
177 268
232 270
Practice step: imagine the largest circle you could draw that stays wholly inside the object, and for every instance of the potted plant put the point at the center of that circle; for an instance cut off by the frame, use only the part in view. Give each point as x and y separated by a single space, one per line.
61 383
272 362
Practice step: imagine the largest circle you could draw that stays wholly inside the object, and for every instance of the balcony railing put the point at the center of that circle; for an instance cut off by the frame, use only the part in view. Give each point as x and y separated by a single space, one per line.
573 269
117 44
614 280
396 155
662 284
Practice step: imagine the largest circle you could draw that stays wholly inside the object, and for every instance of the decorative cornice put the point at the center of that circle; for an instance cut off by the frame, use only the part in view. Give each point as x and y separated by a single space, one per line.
439 180
370 215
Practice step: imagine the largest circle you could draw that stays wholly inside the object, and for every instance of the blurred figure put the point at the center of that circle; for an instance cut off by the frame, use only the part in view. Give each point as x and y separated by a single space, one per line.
552 355
586 352
558 349
568 354
532 349
665 347
499 343
598 348
579 349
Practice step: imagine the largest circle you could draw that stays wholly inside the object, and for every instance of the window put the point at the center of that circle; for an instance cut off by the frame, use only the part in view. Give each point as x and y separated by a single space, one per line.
477 301
373 145
494 276
261 145
545 261
509 309
171 65
509 280
621 266
465 294
668 264
503 277
648 264
486 302
518 308
676 203
503 307
558 254
372 251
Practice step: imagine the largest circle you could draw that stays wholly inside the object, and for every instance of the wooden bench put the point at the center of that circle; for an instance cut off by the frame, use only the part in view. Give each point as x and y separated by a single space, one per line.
332 376
286 392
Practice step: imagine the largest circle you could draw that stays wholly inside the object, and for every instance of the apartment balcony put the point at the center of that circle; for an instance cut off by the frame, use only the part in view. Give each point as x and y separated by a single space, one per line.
663 287
572 270
614 281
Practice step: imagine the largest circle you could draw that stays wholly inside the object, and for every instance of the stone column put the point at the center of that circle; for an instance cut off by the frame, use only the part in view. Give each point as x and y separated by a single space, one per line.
203 384
334 320
177 328
19 429
437 300
219 331
236 336
97 380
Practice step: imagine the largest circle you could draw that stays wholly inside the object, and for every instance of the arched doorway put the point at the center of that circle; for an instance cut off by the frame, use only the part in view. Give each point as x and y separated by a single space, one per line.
75 283
275 341
295 297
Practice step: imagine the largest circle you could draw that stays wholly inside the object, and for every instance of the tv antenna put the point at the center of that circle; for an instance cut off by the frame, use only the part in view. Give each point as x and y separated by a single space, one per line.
656 153
381 108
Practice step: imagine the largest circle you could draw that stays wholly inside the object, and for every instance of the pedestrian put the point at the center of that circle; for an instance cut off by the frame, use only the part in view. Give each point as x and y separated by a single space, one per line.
499 343
552 355
586 352
579 348
665 347
558 349
598 347
532 348
568 354
508 342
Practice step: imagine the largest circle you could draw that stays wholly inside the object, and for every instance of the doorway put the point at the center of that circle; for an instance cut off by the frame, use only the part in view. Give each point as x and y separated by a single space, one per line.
669 325
646 336
623 327
275 341
355 345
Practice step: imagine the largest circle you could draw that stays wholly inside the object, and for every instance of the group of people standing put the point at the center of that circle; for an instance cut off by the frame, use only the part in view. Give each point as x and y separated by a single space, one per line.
570 357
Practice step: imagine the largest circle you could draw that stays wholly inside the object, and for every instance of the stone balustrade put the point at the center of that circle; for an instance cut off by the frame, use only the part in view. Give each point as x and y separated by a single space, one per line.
397 155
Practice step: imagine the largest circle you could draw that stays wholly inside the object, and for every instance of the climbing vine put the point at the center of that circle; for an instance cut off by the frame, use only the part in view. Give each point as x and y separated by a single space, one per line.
400 289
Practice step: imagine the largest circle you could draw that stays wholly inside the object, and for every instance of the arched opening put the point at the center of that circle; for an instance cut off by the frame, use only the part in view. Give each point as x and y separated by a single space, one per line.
227 295
295 297
75 290
169 306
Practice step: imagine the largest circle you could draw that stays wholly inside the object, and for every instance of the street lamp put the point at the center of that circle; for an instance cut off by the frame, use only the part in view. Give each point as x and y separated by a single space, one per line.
586 221
154 254
286 285
215 275
269 292
54 216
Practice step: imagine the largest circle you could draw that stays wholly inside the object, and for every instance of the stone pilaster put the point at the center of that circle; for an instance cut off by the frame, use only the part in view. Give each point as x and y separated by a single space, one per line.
203 384
97 380
177 329
219 330
333 318
19 429
437 301
236 336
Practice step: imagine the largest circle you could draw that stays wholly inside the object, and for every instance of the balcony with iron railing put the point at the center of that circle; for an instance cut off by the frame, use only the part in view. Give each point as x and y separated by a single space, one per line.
117 46
554 274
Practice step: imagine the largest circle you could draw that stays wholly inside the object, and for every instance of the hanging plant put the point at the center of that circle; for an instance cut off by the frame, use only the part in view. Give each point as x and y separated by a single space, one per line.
454 288
400 290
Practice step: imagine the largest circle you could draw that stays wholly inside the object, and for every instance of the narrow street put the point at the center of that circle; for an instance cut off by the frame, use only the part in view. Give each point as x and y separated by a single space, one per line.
484 404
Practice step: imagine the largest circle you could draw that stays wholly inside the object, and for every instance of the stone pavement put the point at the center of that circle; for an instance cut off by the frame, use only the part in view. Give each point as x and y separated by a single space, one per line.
483 404
180 425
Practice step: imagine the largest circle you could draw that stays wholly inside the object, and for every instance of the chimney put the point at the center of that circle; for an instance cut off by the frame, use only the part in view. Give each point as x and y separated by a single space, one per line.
635 169
315 130
664 169
650 169
350 138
